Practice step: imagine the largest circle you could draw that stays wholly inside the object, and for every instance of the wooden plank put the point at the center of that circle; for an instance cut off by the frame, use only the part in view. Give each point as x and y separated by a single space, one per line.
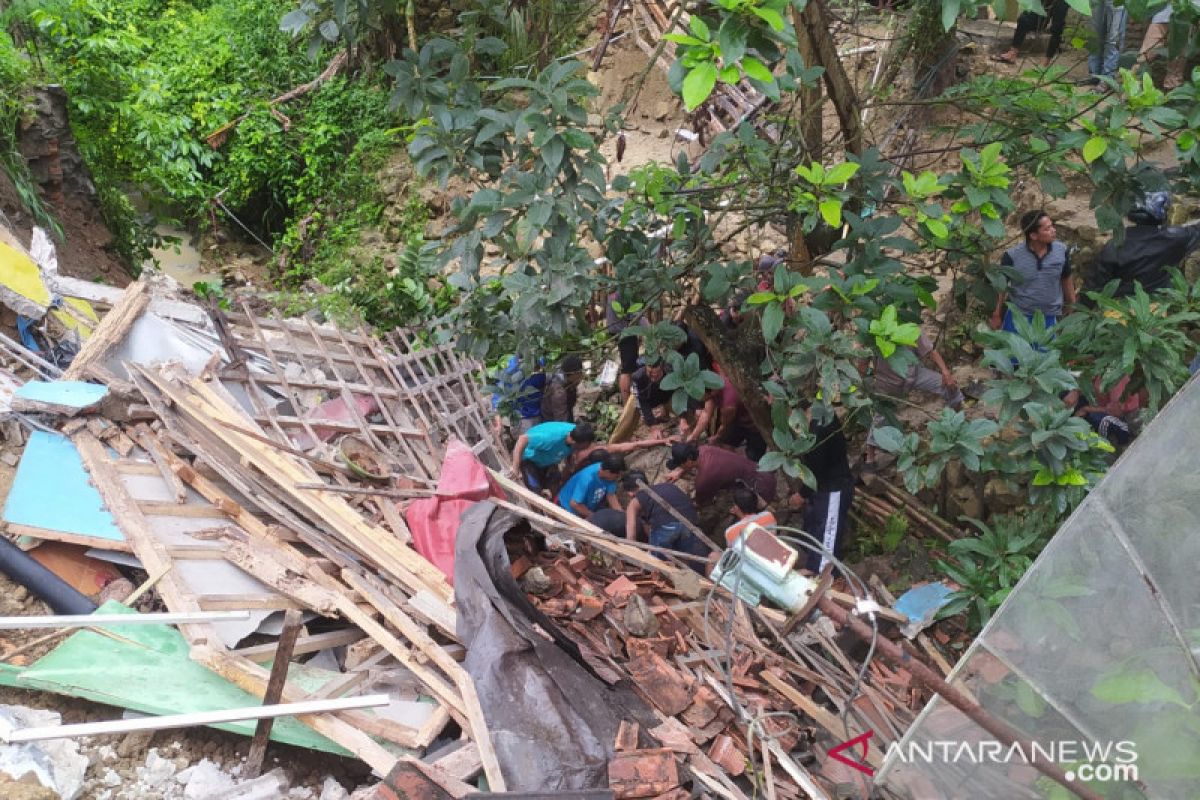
466 685
69 538
110 331
464 763
231 602
304 645
151 444
292 622
192 720
822 716
155 508
135 527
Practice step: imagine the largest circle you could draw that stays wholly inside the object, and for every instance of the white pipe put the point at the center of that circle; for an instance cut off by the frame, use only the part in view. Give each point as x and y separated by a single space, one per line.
109 620
192 720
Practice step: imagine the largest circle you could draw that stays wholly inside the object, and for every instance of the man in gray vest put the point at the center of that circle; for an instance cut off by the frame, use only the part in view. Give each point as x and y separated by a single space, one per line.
1042 279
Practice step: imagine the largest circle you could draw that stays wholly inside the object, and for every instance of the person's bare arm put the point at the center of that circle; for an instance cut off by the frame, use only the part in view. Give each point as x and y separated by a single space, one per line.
1068 290
997 320
728 415
631 519
613 502
580 509
939 362
629 447
702 419
518 451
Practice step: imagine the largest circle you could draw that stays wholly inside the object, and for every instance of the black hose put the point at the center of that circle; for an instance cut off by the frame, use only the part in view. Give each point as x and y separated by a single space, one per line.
58 594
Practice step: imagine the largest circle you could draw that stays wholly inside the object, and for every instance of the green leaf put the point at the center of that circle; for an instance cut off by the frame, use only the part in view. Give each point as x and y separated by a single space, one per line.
729 74
841 173
831 212
552 153
698 84
761 298
769 16
950 10
1140 686
699 27
756 69
682 38
772 321
1082 7
937 228
731 38
1094 148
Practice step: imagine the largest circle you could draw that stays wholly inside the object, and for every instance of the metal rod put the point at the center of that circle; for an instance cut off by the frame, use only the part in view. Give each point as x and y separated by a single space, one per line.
94 620
192 720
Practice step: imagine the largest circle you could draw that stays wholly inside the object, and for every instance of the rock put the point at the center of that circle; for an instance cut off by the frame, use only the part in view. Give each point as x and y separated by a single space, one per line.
27 788
20 594
332 790
111 778
1000 497
56 764
536 581
272 786
157 770
134 743
963 502
956 474
300 793
639 619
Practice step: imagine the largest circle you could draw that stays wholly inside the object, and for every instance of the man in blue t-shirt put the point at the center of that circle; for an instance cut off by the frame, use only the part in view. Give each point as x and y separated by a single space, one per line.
540 450
593 486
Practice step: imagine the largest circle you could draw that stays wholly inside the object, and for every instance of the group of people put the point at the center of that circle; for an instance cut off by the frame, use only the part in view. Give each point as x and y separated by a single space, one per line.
716 445
1109 20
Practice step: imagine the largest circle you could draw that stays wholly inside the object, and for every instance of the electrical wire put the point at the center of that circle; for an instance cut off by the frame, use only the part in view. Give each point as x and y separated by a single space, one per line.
858 589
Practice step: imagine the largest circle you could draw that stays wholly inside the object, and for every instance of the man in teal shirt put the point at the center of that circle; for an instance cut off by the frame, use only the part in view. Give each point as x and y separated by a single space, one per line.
594 485
542 448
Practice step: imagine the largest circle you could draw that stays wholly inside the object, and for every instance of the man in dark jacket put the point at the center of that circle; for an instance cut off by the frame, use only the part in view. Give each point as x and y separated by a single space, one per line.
827 507
1150 246
562 391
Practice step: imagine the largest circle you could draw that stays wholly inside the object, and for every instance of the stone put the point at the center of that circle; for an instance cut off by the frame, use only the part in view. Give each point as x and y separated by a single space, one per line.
536 582
639 619
157 770
964 502
56 764
956 474
134 743
999 497
111 778
332 790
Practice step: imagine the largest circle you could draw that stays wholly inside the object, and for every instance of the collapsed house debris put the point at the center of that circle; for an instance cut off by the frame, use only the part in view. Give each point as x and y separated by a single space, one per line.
341 491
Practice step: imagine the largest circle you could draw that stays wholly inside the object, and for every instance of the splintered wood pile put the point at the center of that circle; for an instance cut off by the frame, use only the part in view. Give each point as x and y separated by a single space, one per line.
266 466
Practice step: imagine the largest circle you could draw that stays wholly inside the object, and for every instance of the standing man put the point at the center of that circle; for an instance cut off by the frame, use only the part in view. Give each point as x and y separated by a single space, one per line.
592 487
647 516
518 396
1043 275
542 448
1030 21
562 390
1108 23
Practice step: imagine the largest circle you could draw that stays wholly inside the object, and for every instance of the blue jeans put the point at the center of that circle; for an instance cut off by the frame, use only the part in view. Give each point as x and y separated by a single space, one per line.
1011 327
1108 22
675 536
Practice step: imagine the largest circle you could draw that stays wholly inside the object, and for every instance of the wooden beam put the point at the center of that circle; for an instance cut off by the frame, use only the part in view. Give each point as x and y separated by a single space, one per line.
110 331
292 622
304 645
302 708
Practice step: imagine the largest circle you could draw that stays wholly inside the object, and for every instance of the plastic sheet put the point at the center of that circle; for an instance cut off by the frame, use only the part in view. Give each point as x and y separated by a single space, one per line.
553 722
433 522
1096 648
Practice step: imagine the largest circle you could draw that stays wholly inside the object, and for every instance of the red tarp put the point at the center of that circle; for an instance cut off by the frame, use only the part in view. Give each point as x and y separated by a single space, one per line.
433 521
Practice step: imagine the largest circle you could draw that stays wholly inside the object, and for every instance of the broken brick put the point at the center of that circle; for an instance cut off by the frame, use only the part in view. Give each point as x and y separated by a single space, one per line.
674 735
620 589
577 563
642 773
627 736
674 794
724 753
703 708
654 678
589 607
520 567
560 607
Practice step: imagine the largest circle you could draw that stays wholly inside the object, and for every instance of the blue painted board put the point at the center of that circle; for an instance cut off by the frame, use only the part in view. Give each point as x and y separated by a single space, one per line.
51 491
73 394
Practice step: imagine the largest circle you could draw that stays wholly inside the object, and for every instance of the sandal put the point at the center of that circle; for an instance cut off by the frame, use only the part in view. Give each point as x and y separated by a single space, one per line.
1005 58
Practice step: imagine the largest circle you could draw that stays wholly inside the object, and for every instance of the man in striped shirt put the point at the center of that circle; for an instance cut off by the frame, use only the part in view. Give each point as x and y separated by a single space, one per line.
1042 281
